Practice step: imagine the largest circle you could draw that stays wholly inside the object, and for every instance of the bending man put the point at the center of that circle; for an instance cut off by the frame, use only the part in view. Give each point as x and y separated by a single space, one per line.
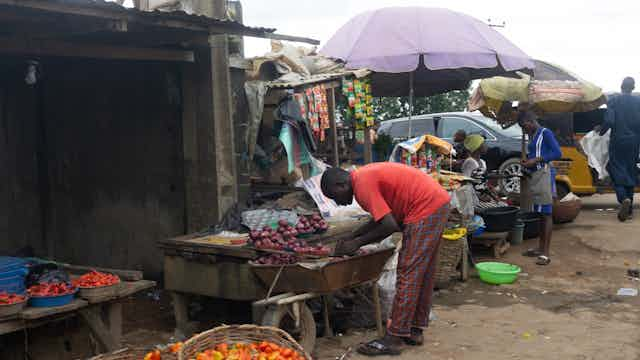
399 198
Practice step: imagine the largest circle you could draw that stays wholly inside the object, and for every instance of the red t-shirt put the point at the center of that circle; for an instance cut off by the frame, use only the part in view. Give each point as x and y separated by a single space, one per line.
407 193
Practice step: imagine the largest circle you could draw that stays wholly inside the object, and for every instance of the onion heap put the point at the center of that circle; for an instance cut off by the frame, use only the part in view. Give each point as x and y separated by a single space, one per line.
284 237
277 259
311 224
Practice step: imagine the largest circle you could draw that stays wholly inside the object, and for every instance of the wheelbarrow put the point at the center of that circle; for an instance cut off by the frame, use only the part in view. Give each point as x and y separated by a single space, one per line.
296 283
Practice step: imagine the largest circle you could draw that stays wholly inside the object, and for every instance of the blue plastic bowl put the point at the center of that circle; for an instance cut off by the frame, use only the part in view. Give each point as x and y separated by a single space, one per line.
51 301
479 231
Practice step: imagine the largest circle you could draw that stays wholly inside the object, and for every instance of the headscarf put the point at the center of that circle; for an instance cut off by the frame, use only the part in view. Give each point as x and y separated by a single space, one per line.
473 142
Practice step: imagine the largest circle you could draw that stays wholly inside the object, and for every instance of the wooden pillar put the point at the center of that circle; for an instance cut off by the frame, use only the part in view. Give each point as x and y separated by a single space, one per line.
368 154
331 102
225 159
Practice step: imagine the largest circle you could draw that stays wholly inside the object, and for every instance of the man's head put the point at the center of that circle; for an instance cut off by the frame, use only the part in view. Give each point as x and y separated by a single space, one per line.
528 121
628 85
336 185
459 136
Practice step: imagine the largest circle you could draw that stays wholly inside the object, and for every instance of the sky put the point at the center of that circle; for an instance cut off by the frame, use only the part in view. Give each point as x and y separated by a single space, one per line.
594 39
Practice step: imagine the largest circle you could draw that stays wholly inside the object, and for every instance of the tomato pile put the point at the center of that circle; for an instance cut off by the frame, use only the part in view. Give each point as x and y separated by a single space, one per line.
96 279
10 299
51 289
157 354
256 351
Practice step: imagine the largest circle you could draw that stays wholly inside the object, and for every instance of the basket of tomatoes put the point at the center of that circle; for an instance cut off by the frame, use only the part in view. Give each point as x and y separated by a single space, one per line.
246 342
51 294
11 304
96 285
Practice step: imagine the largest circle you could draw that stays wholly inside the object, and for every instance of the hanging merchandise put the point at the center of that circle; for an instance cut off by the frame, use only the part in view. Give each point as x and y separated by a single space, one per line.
360 102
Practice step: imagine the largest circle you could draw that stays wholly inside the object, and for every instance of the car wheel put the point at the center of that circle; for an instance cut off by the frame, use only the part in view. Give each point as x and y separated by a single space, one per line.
510 169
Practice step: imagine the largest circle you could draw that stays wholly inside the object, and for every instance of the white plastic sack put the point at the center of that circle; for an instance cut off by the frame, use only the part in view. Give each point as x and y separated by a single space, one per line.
597 149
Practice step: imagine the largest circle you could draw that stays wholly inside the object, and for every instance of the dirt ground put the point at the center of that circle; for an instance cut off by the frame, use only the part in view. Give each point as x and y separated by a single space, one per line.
567 310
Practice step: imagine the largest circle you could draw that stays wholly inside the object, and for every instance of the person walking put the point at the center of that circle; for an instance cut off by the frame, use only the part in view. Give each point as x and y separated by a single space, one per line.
399 198
623 118
543 148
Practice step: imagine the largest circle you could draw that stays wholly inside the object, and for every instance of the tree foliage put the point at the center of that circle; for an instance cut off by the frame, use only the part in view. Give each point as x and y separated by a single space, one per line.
397 107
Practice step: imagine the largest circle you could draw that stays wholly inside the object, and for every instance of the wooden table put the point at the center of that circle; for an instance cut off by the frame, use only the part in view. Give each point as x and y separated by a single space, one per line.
218 271
102 315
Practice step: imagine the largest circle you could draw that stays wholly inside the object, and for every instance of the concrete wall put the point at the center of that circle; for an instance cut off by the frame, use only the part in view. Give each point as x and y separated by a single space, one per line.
112 158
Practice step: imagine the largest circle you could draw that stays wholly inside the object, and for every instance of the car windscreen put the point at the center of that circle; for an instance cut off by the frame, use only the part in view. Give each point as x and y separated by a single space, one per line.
400 129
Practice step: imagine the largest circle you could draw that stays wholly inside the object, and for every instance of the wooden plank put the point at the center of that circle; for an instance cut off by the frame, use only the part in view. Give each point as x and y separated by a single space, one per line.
181 244
125 275
24 46
126 289
93 319
331 102
7 327
32 313
300 39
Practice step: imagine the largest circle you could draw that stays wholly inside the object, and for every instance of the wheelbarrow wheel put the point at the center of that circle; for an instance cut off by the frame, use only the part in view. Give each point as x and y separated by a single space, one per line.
282 317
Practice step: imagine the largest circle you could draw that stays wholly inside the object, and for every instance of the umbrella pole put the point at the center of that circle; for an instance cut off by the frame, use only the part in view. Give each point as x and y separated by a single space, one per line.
410 102
525 193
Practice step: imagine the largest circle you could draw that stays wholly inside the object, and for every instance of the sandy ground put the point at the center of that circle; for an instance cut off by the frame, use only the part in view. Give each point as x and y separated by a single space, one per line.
567 310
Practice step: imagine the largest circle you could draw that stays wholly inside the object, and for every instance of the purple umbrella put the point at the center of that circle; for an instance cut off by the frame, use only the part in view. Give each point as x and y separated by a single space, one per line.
437 50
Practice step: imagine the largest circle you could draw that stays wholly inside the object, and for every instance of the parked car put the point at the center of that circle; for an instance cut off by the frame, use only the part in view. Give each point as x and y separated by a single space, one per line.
504 145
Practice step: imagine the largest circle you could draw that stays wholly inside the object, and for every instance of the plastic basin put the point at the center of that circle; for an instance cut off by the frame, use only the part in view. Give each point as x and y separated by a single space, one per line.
497 273
51 301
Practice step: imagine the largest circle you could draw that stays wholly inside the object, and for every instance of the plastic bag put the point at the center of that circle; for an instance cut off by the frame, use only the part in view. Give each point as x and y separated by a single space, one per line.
46 273
597 149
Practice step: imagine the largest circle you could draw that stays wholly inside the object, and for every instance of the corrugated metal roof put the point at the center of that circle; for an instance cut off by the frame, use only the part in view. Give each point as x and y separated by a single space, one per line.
115 8
316 79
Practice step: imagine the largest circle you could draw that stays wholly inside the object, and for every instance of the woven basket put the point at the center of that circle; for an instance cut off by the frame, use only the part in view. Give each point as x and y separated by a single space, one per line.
449 256
133 354
231 334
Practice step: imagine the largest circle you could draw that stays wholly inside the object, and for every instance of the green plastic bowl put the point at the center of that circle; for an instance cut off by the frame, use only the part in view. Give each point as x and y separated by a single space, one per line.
497 273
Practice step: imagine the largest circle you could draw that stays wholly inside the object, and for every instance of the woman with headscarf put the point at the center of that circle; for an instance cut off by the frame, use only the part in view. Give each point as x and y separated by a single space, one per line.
474 166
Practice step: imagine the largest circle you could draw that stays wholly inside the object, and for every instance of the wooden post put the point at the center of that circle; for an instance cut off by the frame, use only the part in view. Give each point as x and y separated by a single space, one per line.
93 319
114 314
368 155
378 308
328 331
331 102
181 313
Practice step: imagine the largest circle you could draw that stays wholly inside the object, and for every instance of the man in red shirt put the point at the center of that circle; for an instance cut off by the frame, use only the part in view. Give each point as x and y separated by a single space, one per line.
399 198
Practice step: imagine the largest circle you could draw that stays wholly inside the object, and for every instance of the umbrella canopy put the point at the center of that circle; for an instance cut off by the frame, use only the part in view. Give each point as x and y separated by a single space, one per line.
442 49
552 89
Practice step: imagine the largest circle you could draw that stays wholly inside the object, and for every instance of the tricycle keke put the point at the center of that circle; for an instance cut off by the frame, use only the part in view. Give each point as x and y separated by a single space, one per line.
278 293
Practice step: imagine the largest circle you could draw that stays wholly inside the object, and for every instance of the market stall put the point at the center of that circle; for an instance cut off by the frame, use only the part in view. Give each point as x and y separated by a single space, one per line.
34 293
270 267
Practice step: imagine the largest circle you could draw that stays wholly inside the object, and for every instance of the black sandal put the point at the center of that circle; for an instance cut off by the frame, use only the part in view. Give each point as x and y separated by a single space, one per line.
377 348
543 260
532 253
416 338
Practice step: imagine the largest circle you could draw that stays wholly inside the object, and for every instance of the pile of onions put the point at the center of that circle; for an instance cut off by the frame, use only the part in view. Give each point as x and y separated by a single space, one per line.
311 224
277 259
282 238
